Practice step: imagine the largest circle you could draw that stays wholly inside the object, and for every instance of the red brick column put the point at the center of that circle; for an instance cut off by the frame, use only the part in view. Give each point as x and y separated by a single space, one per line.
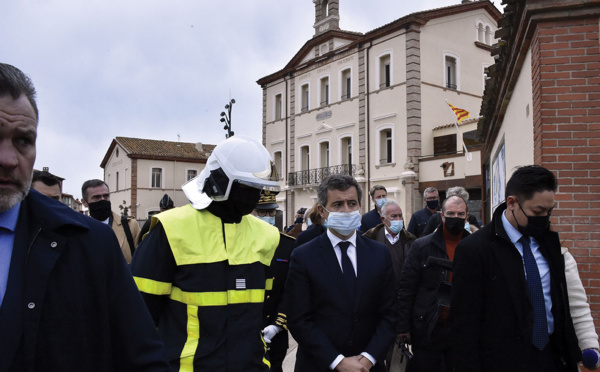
566 108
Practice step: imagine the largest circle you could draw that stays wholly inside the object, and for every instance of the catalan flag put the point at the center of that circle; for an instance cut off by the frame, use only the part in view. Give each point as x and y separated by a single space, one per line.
460 113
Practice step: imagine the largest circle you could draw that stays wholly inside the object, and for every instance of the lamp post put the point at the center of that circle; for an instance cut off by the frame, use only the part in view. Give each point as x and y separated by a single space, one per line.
226 118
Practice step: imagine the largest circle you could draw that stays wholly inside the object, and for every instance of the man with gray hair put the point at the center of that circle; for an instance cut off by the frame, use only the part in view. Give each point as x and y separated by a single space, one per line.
419 219
340 289
436 219
67 299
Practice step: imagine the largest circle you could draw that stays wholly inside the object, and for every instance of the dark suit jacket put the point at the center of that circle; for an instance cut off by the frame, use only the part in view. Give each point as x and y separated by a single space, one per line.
321 316
369 220
491 314
71 303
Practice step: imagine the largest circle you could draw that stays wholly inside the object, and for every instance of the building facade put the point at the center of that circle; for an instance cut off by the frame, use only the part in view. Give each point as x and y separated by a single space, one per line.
374 106
542 106
139 172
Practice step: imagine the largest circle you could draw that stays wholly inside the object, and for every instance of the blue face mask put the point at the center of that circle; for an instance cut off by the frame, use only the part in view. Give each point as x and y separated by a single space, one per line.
308 222
343 223
396 226
380 202
468 226
268 219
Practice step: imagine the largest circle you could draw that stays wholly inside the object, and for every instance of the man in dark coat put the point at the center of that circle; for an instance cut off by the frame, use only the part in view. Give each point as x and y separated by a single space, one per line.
68 301
419 219
340 289
424 291
274 315
372 218
510 310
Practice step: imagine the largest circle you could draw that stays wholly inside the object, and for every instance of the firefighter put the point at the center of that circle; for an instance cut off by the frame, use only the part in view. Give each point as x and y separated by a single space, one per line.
202 267
275 321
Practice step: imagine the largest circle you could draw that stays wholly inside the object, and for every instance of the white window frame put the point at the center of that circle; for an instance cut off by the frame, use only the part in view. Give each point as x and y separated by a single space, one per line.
301 159
280 169
162 178
300 91
320 158
379 73
341 138
342 83
328 98
378 146
190 169
456 67
280 95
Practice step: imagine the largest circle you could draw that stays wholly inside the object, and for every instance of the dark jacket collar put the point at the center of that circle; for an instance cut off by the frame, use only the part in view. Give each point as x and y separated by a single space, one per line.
51 214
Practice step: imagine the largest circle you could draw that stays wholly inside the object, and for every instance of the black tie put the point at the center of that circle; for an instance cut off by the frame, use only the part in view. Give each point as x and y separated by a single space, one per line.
536 294
347 267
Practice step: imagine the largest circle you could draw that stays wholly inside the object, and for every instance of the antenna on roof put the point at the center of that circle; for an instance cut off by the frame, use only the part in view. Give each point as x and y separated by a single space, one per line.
178 137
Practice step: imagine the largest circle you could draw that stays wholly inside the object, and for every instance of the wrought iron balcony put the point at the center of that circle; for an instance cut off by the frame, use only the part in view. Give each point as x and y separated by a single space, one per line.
317 175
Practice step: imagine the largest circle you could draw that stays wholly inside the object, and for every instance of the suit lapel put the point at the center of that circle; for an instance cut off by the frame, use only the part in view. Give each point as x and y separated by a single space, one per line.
333 266
364 265
511 266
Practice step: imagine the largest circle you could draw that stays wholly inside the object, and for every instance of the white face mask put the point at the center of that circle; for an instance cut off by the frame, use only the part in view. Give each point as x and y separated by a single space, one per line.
468 226
267 219
343 223
396 226
381 202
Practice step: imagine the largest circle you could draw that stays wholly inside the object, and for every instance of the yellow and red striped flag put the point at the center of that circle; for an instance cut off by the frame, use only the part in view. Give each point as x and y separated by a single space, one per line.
460 113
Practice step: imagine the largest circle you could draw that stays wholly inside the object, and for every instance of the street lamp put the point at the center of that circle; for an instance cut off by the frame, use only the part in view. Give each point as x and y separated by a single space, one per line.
226 118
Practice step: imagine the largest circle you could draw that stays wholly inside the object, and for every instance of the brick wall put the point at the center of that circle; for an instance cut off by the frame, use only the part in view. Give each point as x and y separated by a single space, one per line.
566 108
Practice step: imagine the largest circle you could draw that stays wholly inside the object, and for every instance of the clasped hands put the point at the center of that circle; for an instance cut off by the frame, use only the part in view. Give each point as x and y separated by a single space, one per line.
357 363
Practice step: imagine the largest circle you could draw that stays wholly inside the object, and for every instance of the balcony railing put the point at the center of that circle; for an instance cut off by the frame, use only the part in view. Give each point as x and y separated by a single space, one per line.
316 176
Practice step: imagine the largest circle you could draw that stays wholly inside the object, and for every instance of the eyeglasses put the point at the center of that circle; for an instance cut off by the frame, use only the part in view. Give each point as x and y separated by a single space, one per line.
431 198
266 212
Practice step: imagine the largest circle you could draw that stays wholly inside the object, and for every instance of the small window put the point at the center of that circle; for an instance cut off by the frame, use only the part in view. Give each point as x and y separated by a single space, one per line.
470 139
304 98
117 153
156 178
278 160
385 140
324 148
278 107
152 213
480 33
444 145
347 150
116 181
384 72
346 84
488 35
325 91
450 71
191 173
305 158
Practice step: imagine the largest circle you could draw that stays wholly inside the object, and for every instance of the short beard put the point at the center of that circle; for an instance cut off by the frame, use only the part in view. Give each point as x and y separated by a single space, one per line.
9 199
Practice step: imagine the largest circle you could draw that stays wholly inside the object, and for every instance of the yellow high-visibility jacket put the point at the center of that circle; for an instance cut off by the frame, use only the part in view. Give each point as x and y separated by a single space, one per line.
204 283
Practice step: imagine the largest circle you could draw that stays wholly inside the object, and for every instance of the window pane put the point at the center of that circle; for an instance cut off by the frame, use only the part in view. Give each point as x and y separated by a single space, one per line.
156 177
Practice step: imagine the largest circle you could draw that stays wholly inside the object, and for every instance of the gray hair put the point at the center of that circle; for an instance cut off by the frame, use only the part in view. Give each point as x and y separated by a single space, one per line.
388 204
14 82
454 199
429 190
340 182
458 191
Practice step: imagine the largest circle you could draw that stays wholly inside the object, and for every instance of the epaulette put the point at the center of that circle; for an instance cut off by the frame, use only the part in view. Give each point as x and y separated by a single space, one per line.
287 236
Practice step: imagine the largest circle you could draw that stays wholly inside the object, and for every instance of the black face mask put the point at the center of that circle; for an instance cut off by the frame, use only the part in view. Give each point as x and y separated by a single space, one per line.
433 204
455 225
241 201
536 227
100 210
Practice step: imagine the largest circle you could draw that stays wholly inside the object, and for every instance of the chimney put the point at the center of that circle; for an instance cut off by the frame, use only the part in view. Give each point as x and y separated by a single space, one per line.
465 1
199 146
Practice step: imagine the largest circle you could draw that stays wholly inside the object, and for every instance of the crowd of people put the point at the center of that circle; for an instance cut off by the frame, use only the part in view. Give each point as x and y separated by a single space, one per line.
214 286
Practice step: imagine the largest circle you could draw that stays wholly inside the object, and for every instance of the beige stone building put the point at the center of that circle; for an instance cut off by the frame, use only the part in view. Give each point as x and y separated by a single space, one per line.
374 106
140 171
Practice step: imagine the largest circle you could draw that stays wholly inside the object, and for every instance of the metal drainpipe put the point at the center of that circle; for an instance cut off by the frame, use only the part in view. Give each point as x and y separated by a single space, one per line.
368 129
287 152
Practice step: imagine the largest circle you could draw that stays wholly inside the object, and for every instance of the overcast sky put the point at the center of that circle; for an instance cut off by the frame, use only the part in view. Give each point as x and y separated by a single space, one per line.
157 69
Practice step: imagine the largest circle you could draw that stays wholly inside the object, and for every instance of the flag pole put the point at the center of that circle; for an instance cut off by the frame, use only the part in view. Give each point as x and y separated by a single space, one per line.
467 153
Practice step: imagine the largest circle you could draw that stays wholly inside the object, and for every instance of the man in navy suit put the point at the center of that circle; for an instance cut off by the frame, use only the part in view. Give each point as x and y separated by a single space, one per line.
340 289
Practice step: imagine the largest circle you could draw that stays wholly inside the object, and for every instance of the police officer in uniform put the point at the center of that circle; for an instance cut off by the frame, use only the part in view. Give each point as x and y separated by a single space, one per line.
275 321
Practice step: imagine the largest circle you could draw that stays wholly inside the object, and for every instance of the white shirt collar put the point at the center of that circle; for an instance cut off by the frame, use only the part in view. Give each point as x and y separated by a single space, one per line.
335 240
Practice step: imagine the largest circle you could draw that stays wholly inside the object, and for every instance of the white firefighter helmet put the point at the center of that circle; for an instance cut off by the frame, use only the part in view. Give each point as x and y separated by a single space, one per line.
237 159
